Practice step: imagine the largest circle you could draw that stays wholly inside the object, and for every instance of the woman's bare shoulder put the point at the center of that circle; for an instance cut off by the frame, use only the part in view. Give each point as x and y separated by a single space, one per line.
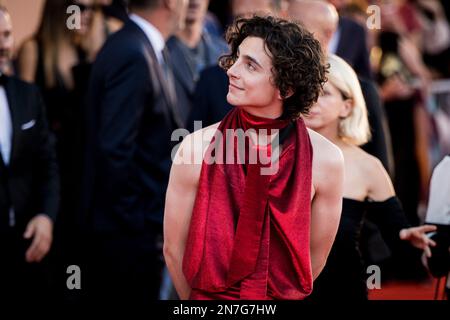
324 151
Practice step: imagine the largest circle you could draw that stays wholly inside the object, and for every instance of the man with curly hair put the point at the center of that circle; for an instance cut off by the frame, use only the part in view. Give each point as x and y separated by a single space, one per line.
242 229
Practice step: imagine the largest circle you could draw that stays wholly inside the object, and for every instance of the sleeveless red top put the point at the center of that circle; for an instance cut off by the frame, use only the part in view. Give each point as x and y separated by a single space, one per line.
249 232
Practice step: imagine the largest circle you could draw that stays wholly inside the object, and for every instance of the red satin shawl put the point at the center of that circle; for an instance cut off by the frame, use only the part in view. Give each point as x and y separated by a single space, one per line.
250 230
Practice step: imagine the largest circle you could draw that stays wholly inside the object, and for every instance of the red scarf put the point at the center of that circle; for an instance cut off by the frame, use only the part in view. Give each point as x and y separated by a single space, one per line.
250 230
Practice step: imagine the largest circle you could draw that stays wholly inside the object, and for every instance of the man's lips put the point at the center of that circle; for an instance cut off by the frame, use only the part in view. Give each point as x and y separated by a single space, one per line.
235 87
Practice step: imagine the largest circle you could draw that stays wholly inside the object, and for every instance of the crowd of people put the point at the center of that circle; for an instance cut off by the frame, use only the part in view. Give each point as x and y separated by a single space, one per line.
91 175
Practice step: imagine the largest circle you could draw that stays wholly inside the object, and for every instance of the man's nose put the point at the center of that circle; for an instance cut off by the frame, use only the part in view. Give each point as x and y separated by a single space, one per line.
232 71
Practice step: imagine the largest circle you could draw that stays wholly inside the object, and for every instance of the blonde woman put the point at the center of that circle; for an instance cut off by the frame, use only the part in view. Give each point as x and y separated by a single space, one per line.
340 115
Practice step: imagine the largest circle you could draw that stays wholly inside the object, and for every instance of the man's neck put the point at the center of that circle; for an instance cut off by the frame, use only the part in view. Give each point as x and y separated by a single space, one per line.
267 112
158 18
191 34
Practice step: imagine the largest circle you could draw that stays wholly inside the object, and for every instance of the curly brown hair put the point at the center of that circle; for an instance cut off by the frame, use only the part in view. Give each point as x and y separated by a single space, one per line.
298 61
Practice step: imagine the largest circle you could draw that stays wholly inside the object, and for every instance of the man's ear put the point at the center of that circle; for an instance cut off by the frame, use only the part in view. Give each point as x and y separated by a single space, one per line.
347 108
169 4
288 95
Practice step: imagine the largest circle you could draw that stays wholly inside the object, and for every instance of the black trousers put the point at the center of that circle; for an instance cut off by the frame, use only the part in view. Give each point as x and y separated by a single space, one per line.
124 268
20 280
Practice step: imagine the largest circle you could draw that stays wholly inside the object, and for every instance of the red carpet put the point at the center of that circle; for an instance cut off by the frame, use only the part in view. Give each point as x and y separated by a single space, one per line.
408 290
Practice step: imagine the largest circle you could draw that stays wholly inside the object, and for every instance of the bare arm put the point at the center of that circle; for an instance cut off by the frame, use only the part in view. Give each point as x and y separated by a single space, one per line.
380 189
326 207
180 198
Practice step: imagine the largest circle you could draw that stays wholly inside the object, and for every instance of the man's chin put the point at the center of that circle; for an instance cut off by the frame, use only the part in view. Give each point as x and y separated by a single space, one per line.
189 21
4 65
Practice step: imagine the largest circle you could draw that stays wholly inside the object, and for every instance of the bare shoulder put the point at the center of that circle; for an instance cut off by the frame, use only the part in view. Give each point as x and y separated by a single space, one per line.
187 161
325 153
196 143
370 165
379 184
328 163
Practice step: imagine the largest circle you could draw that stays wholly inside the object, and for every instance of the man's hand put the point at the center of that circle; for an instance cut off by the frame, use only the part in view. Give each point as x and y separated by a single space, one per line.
40 228
418 238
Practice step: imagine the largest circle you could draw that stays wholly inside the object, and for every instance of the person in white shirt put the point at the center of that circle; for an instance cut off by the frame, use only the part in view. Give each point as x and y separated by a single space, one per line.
438 213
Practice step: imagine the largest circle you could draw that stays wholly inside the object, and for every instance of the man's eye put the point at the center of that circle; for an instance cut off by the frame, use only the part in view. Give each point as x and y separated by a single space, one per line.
250 66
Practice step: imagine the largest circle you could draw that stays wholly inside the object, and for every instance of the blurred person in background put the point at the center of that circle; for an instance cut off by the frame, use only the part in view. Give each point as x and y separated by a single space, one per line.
340 115
350 41
435 35
192 50
321 18
438 213
132 113
404 81
59 60
29 184
247 8
107 18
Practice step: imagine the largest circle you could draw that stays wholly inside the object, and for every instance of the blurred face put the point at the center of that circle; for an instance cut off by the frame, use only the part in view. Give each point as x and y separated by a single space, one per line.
329 108
180 11
339 4
196 10
6 40
321 21
87 9
247 8
317 28
251 84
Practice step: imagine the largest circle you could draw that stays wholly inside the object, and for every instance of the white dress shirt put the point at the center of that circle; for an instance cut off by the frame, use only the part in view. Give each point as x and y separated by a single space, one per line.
334 42
153 34
5 127
439 202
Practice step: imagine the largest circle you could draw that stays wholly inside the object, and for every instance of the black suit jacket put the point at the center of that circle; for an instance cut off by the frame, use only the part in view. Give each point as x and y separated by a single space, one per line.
30 183
352 46
131 116
380 143
210 99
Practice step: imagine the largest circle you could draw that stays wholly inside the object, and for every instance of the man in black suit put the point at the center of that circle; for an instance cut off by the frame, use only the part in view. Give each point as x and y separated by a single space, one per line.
132 114
351 45
350 42
29 182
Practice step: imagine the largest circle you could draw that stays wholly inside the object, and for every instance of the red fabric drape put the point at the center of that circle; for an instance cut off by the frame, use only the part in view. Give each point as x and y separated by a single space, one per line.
249 232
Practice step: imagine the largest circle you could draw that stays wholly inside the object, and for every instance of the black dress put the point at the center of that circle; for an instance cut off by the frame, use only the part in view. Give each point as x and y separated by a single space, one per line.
65 113
343 277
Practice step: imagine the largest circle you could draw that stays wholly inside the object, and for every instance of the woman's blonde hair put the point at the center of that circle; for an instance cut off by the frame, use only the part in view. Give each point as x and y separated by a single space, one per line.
354 128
